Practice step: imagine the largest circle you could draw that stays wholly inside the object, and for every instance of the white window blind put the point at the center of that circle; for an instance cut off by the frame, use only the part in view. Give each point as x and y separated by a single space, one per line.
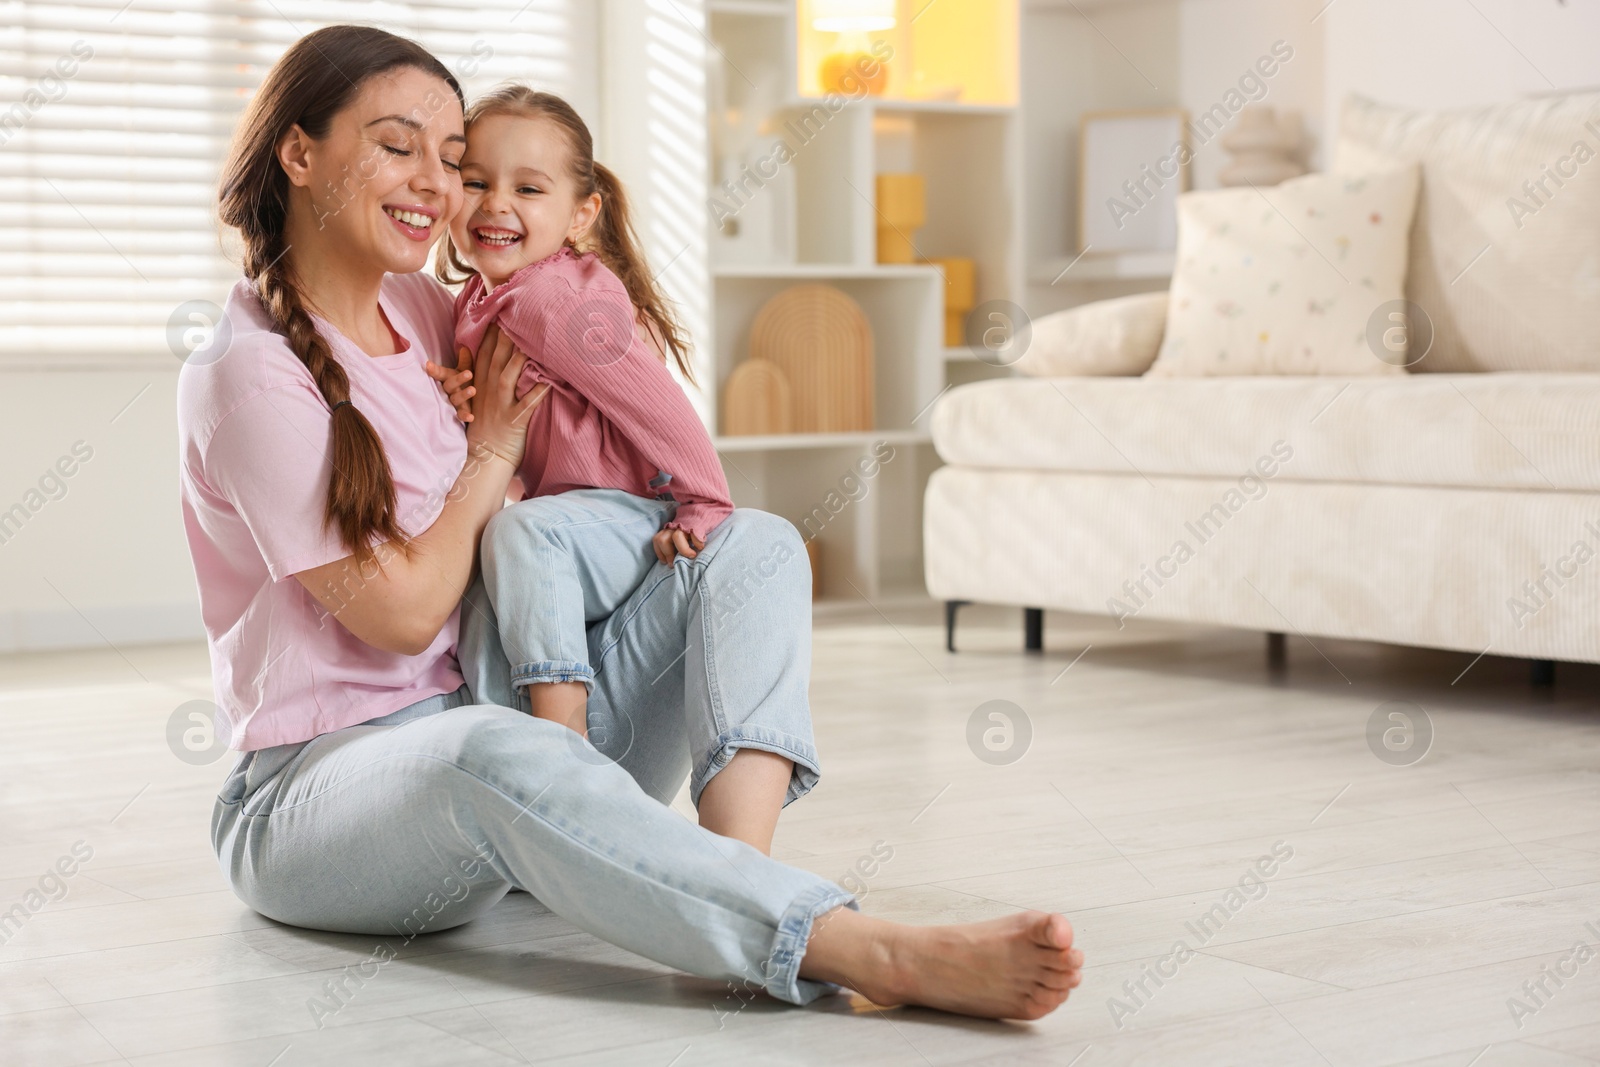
115 118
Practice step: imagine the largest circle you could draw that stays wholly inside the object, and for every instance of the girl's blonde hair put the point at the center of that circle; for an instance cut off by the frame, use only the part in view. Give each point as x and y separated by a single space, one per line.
612 236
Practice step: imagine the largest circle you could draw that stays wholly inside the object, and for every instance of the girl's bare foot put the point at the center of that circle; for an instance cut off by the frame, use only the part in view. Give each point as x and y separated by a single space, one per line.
1021 966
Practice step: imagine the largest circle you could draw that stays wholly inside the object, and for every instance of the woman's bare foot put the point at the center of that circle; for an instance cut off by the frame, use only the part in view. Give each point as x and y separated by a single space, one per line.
1021 966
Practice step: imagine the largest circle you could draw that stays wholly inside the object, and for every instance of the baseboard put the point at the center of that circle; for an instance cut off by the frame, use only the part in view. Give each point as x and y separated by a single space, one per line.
135 624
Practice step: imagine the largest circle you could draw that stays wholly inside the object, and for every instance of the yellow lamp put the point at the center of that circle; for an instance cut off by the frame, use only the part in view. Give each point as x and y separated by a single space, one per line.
852 20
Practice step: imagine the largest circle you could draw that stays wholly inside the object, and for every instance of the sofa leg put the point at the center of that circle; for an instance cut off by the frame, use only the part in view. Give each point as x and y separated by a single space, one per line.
950 609
1542 672
1277 650
1033 629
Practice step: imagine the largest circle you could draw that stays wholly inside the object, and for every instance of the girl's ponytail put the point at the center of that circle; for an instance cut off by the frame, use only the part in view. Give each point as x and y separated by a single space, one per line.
617 245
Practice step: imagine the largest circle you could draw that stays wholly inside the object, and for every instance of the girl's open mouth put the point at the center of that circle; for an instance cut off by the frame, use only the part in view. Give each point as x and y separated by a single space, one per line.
494 237
413 222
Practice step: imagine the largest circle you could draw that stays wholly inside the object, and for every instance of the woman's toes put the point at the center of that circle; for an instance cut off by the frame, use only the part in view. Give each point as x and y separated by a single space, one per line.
1061 980
1042 1002
1052 931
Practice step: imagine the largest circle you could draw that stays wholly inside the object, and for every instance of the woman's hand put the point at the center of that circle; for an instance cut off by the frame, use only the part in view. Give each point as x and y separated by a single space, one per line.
403 606
671 543
497 420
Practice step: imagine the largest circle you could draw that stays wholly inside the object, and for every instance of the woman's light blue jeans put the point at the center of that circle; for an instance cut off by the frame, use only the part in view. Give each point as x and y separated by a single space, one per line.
423 819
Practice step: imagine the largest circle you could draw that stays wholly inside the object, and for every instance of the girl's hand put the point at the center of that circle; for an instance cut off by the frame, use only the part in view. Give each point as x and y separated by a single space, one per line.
671 543
498 420
454 382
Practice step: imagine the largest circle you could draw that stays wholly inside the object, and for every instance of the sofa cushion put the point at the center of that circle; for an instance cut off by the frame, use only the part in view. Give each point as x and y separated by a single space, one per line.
1505 245
1117 336
1509 431
1287 280
1415 565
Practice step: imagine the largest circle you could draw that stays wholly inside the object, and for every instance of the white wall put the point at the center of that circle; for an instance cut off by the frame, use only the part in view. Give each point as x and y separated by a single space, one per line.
106 562
1451 54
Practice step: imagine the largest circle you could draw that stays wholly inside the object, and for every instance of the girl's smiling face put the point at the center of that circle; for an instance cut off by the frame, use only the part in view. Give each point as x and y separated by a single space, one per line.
521 202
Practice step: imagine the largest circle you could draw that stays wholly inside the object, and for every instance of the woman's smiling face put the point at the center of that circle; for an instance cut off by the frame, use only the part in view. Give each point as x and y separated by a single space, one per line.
520 201
386 177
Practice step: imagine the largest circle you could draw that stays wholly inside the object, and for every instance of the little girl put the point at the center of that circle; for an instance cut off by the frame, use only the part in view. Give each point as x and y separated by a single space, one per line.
616 435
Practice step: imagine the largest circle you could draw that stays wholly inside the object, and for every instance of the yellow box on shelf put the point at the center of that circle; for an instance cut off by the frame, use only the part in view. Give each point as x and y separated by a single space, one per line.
902 208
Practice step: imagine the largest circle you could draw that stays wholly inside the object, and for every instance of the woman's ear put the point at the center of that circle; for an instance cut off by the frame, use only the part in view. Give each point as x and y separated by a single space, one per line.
294 156
584 217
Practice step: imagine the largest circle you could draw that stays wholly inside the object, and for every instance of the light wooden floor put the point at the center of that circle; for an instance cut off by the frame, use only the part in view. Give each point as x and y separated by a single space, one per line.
1162 764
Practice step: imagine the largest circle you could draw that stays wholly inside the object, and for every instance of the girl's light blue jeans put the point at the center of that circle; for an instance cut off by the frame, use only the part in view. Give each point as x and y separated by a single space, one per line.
558 569
423 819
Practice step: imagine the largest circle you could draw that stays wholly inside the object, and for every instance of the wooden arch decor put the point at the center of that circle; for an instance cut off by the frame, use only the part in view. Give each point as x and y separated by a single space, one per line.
756 400
821 341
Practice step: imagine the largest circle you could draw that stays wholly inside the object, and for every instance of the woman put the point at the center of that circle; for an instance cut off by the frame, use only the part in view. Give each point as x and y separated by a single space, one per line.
333 506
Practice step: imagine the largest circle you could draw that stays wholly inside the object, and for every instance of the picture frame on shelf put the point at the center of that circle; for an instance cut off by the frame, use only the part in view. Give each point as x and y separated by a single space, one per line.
1132 164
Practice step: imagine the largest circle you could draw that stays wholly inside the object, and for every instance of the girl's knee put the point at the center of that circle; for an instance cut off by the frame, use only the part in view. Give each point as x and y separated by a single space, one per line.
529 518
533 539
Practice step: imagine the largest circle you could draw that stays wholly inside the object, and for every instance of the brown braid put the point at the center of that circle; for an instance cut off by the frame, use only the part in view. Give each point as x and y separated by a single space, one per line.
361 495
318 76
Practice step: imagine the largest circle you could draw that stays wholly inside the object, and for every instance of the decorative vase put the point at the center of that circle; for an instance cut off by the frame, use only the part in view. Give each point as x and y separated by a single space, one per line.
1263 148
848 72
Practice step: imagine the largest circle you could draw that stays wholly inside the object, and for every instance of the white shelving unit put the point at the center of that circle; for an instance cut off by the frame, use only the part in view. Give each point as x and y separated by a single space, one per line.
808 216
1089 267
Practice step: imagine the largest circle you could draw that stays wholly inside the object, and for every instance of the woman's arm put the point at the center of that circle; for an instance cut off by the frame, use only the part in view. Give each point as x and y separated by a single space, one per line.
402 605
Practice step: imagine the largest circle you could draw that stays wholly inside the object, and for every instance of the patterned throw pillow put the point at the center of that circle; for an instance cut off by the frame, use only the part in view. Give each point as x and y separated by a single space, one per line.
1291 279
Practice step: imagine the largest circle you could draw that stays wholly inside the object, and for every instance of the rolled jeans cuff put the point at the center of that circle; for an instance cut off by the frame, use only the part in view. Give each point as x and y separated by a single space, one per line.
552 670
782 970
807 770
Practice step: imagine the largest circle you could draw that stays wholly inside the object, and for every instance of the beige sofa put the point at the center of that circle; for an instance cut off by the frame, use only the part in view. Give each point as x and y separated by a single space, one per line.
1456 506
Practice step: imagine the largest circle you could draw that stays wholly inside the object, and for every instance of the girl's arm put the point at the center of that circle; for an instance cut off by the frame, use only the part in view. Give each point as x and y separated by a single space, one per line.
402 605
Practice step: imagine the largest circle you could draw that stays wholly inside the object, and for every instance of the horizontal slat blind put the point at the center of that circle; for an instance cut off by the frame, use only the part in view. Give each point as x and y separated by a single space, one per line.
114 120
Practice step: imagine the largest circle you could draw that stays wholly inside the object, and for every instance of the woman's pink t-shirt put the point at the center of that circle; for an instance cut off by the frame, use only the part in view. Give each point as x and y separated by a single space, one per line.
254 437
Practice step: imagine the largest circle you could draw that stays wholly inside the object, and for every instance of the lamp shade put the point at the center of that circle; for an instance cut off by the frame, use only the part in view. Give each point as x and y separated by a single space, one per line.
852 16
